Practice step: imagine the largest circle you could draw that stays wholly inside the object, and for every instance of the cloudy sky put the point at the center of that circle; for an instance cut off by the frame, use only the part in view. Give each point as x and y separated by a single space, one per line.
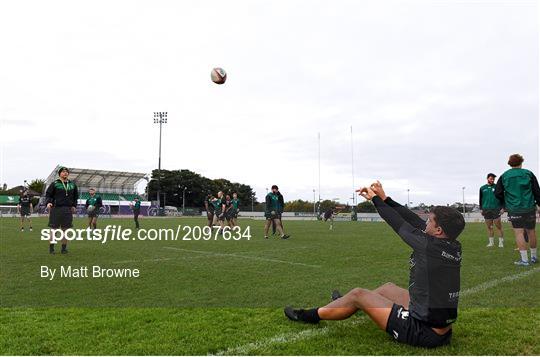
438 93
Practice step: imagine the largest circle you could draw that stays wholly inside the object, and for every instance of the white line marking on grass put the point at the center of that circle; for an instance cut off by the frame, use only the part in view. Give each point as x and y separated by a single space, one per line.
492 283
285 338
144 260
313 332
242 256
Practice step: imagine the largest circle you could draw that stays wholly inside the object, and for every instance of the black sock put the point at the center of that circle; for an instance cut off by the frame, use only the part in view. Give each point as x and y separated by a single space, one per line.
51 247
310 315
64 246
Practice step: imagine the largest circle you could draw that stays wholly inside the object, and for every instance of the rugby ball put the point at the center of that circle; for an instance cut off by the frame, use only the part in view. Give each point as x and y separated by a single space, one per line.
218 75
90 208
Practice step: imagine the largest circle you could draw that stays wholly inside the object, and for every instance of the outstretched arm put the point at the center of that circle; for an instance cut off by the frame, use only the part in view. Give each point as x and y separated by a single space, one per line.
535 190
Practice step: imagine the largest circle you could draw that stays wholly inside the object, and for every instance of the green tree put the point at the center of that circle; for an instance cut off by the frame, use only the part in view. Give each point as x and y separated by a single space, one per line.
366 207
37 185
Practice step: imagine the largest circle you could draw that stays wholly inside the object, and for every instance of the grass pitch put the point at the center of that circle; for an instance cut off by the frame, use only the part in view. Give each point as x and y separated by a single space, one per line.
226 297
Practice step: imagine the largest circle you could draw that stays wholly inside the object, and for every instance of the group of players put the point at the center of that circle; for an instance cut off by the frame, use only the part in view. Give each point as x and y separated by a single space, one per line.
517 192
222 208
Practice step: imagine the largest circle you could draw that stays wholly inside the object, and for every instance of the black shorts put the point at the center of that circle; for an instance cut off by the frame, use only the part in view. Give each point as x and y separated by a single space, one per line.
270 216
406 329
491 213
523 220
25 212
94 213
61 217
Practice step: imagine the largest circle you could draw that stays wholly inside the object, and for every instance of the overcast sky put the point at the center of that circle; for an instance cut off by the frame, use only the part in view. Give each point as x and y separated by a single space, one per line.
438 93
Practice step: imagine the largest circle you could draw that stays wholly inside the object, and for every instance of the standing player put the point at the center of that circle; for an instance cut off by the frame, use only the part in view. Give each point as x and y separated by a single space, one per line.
421 315
491 208
329 216
25 209
280 215
136 207
228 210
518 189
93 205
210 209
61 197
219 204
272 213
236 209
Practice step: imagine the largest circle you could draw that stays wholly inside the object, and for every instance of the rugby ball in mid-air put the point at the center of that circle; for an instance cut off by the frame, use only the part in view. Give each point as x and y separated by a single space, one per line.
218 75
90 208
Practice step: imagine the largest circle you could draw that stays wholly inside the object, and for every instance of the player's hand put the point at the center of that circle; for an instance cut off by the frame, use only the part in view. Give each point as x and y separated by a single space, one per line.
49 206
73 209
366 192
377 188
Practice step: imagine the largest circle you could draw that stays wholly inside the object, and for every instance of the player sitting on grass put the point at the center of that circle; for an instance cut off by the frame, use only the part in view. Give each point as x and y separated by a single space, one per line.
25 209
423 314
518 189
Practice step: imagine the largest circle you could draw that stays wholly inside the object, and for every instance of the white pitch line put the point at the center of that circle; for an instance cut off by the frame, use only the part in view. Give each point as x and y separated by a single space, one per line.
285 338
142 261
495 282
242 256
313 332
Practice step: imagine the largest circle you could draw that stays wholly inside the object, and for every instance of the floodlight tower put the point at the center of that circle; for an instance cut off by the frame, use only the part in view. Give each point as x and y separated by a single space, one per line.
159 118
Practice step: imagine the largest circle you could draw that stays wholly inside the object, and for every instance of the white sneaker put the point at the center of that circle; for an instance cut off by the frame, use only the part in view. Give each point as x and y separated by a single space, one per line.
501 244
490 244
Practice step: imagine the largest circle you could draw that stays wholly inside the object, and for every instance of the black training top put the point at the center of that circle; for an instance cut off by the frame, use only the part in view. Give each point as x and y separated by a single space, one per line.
24 201
434 280
62 193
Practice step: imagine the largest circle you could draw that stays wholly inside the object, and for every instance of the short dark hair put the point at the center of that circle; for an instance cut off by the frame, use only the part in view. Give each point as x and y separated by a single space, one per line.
515 160
275 186
450 220
491 175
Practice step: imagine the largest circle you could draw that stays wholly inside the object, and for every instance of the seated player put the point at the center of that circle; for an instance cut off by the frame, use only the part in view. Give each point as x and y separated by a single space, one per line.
25 209
423 314
93 205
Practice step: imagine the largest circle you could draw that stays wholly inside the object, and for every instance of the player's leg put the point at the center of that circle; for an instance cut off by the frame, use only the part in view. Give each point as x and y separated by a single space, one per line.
375 305
267 227
332 223
21 224
530 226
136 219
29 220
498 225
90 221
394 293
522 246
489 226
94 222
279 228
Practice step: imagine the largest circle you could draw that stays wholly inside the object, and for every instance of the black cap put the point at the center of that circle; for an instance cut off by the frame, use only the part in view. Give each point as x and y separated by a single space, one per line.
491 175
62 168
275 186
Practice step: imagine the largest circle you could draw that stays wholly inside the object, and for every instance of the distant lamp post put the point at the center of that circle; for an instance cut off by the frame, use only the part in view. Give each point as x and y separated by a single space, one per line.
463 191
314 204
184 201
408 198
252 202
159 118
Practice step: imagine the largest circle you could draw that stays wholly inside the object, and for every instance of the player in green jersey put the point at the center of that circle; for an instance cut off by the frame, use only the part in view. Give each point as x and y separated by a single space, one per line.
518 189
491 209
93 205
272 213
235 209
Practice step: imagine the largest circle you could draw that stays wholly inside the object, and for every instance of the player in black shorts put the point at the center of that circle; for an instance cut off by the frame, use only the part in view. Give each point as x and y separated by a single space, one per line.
61 197
423 314
93 205
491 209
25 209
136 207
209 207
518 189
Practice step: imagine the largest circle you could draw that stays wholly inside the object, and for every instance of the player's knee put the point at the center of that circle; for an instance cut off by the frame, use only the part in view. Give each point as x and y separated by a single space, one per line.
358 293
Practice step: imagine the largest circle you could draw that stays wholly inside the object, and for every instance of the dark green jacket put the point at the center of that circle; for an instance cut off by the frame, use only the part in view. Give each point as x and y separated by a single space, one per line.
488 199
518 190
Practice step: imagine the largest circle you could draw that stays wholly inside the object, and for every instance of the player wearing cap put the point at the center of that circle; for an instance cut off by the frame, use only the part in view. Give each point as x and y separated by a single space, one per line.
491 209
61 197
25 209
93 205
518 189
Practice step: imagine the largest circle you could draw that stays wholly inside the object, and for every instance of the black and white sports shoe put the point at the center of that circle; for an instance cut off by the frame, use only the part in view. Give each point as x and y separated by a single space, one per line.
297 315
285 236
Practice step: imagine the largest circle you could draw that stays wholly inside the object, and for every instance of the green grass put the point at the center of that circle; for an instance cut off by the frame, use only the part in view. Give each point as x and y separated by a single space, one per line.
208 297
